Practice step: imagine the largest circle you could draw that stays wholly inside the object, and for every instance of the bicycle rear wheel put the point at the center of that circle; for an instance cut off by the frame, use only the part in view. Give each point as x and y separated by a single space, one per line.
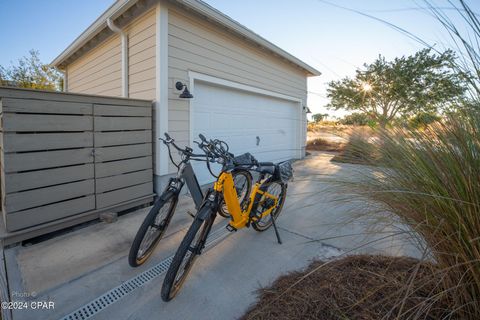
152 229
242 180
277 189
191 246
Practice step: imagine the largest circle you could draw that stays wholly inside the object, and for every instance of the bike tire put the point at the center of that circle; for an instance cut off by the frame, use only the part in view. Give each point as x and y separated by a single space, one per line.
197 233
243 198
165 206
262 225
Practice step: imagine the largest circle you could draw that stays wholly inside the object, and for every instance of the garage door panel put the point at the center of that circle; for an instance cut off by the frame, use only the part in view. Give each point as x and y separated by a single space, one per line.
202 122
239 117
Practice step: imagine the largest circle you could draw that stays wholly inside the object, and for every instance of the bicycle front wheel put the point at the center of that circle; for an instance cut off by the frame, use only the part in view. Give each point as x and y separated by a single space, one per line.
152 229
191 246
277 189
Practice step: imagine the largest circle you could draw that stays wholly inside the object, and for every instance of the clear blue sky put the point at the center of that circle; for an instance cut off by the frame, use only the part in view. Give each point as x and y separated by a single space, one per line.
333 40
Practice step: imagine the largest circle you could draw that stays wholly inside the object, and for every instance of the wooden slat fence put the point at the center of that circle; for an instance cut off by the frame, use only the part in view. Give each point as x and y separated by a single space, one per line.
66 154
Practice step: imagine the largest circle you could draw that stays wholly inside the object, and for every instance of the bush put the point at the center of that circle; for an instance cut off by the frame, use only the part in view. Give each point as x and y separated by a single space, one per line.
430 179
423 119
356 119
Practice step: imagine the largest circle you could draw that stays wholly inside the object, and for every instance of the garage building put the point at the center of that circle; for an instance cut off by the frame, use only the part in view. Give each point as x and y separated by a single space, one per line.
245 90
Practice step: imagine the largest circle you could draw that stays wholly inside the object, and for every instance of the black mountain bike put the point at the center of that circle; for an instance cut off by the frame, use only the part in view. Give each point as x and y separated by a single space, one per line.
157 220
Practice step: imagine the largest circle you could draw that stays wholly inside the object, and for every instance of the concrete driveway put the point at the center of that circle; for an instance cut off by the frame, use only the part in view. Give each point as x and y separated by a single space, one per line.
318 222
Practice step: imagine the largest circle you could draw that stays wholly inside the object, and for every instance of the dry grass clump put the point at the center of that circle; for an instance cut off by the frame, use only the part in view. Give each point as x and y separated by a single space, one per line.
354 287
431 180
360 149
321 144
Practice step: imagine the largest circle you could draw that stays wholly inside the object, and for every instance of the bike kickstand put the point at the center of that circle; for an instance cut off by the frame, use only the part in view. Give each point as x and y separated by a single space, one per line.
276 231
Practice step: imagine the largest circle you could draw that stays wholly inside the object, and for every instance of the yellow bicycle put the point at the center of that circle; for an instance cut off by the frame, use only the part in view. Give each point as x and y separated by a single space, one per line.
259 211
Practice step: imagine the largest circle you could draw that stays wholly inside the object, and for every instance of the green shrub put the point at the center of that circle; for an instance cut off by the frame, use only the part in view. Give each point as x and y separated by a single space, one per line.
356 119
423 119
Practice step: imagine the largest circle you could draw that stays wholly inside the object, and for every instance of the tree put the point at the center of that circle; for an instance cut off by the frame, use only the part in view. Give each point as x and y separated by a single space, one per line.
423 82
31 73
317 117
423 119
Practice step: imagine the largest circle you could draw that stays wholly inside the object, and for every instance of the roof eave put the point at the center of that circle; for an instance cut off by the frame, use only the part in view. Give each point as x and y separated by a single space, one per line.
207 10
98 25
120 6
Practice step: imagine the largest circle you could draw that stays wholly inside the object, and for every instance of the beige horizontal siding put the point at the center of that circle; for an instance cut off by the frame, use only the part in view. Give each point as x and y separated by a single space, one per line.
200 46
98 71
191 34
141 62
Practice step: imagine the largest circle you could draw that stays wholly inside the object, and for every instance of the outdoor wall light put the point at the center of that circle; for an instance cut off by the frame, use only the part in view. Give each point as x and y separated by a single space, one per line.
185 93
306 109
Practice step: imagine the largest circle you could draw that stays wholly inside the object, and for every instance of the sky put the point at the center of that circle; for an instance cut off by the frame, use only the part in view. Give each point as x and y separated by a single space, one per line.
327 36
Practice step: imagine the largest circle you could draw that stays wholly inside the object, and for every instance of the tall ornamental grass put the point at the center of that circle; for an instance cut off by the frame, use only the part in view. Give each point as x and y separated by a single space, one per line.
431 180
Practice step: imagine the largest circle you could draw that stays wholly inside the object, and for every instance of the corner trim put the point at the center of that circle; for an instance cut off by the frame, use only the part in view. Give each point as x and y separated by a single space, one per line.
161 90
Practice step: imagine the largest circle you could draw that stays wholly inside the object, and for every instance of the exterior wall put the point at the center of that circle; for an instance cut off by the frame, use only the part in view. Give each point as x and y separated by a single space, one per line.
141 51
193 45
197 45
98 71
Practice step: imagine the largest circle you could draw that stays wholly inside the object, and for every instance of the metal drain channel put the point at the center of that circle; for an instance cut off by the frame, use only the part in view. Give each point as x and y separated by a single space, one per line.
110 297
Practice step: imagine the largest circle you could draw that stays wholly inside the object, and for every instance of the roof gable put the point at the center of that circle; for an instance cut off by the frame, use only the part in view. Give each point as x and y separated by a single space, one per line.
122 12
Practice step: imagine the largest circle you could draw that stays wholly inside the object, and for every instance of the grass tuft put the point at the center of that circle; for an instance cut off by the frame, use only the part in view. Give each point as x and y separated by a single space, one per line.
430 179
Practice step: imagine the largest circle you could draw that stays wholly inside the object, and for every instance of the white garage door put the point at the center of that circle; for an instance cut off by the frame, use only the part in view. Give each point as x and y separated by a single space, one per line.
263 125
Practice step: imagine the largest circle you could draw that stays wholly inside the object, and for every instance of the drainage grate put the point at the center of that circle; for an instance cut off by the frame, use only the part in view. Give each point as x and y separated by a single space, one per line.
117 293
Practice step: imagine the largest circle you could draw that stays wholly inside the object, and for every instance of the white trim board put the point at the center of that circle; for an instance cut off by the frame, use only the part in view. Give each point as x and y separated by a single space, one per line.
240 86
161 88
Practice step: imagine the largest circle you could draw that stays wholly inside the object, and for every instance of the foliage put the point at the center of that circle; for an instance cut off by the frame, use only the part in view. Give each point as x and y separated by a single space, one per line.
317 117
423 119
356 119
31 73
465 36
423 82
429 179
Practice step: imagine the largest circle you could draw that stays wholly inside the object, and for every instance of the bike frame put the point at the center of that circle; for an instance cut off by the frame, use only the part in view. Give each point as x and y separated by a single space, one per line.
241 218
186 175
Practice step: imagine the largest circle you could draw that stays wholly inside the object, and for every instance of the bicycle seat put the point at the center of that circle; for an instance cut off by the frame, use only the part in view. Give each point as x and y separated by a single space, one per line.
266 167
245 159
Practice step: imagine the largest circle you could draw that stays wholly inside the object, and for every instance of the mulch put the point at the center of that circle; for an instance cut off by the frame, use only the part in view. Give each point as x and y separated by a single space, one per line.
355 287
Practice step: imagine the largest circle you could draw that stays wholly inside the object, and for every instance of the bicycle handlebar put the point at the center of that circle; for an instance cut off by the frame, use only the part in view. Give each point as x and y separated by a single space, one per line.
187 152
214 151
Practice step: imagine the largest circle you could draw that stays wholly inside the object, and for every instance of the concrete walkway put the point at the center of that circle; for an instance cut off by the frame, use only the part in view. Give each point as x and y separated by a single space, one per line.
317 222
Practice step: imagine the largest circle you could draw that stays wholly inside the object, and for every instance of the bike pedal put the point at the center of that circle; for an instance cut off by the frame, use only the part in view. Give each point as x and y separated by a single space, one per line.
191 214
230 228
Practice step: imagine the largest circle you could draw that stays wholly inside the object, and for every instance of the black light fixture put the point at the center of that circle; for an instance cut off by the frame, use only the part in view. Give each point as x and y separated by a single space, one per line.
185 93
306 109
